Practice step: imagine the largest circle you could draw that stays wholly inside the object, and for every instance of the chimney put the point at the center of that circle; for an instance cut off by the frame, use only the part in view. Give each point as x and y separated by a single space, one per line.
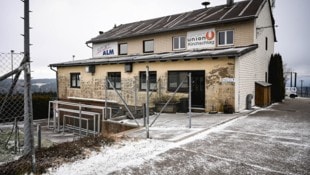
229 3
205 4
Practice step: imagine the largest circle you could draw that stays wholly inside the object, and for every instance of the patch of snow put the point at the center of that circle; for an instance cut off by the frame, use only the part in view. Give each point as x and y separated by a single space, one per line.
39 84
116 157
204 134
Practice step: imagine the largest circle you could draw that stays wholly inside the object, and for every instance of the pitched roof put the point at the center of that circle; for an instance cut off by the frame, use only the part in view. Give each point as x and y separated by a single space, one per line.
239 11
171 56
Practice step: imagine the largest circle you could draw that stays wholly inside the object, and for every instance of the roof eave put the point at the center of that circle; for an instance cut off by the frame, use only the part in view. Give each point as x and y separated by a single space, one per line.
156 57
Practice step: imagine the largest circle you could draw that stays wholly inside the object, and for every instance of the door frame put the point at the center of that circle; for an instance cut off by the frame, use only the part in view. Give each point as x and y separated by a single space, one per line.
198 76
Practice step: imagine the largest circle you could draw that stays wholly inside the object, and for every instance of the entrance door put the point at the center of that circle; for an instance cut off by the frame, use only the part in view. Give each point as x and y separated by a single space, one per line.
198 89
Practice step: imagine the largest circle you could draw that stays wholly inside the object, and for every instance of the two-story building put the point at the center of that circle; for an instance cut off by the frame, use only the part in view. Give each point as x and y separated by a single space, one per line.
226 48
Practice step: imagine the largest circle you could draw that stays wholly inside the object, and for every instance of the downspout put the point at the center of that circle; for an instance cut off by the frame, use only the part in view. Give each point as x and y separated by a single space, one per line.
56 80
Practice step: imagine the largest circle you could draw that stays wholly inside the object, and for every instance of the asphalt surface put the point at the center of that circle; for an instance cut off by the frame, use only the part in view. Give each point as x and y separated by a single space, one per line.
275 140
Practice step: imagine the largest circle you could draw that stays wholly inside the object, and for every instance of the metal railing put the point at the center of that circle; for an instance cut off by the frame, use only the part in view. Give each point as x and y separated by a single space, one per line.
57 106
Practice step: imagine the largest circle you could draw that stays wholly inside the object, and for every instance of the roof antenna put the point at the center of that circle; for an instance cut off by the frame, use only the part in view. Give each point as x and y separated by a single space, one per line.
206 3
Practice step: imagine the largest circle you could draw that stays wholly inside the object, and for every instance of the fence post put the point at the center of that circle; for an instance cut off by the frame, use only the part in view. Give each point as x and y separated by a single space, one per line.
143 113
28 116
190 100
106 99
147 112
15 140
39 135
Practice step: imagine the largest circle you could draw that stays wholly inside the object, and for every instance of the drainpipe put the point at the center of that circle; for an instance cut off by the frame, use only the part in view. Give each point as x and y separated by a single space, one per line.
56 80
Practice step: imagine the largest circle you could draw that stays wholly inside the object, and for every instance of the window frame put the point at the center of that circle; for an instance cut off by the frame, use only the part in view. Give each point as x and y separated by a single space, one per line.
114 80
178 81
225 38
120 50
179 42
142 80
76 77
144 47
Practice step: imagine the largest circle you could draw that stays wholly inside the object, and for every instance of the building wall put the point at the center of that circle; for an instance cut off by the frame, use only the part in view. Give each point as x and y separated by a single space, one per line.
263 55
253 66
245 79
243 32
245 70
243 36
93 85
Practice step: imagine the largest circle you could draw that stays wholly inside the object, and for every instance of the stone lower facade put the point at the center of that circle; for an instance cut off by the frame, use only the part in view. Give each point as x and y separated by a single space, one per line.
218 91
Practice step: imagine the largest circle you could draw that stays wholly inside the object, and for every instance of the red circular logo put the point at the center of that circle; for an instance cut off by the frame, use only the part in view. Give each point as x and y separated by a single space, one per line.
210 35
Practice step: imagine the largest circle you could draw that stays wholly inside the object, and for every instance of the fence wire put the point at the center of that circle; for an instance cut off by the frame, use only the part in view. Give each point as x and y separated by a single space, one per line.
303 91
11 106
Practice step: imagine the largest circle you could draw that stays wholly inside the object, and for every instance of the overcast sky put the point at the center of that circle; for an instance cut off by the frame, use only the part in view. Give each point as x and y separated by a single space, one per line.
61 27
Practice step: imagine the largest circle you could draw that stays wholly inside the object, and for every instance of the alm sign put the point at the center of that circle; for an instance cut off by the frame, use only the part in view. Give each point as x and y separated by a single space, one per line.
105 50
201 39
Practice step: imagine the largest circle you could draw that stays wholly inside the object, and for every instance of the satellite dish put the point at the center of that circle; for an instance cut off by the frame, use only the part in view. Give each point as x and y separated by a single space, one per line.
205 4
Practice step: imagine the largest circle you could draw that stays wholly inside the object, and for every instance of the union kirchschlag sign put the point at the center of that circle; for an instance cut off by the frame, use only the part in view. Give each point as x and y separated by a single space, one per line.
201 39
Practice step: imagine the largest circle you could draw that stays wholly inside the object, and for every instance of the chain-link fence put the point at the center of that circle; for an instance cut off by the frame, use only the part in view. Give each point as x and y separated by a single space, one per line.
11 106
303 91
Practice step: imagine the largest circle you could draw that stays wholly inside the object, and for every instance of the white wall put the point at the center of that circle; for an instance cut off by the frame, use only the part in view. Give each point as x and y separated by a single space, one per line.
245 75
252 66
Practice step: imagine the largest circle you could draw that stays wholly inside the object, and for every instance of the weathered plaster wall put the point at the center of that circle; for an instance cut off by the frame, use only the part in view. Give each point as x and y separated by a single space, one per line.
93 85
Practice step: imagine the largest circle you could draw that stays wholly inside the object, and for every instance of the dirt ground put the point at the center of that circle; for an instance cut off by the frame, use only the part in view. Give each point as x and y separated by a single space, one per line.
56 155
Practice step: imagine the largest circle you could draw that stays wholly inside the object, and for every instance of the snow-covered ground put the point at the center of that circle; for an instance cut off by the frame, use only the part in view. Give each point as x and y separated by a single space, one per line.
128 153
275 140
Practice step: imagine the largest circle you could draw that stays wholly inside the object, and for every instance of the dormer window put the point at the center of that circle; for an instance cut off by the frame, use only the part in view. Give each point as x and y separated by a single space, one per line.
148 46
178 43
225 38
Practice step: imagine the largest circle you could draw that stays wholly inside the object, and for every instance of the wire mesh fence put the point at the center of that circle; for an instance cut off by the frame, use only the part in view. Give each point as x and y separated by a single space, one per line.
303 91
11 106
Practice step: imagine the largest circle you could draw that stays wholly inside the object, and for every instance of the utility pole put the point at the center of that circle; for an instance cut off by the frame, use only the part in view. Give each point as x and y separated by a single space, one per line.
295 79
291 79
301 83
28 111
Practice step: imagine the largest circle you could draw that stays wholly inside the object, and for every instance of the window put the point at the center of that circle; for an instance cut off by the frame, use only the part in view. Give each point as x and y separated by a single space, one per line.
75 80
266 43
225 38
123 49
178 43
175 78
152 79
115 79
148 46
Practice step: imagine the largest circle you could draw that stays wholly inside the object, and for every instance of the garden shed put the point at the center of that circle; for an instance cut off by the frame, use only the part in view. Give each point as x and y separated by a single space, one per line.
262 94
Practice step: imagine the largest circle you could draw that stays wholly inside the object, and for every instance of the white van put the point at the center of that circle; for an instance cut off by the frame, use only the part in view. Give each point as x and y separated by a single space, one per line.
291 92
